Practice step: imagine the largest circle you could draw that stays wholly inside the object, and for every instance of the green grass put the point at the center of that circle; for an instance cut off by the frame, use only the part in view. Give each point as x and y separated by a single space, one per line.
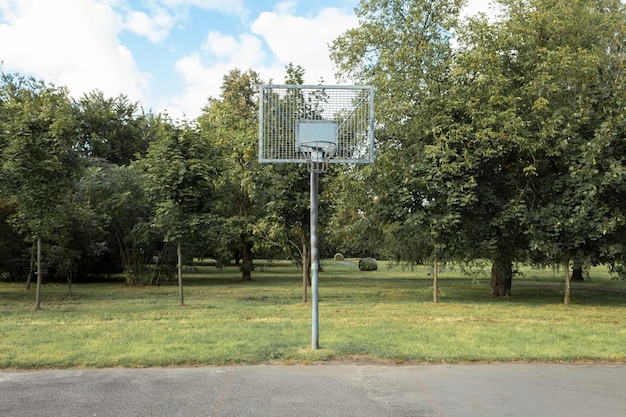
382 315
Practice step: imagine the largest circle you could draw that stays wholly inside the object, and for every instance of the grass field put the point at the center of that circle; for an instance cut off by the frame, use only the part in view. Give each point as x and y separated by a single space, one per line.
382 315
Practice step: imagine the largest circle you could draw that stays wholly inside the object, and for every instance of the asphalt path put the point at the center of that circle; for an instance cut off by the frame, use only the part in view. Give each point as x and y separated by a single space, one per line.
335 390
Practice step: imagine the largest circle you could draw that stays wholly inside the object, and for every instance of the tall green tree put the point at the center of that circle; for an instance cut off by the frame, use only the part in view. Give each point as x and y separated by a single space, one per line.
404 50
39 161
181 172
499 146
231 123
534 91
575 84
479 154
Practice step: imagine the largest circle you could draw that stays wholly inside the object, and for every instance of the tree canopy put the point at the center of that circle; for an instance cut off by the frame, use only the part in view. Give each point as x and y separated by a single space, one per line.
492 137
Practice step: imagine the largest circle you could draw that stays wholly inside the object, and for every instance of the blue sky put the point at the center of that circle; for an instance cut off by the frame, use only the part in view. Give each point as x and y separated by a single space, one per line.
170 55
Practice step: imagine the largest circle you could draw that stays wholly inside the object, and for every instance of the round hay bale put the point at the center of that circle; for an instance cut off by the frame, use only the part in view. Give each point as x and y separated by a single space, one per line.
368 264
339 257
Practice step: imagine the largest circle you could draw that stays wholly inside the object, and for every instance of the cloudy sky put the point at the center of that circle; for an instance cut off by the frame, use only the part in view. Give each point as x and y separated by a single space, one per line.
170 55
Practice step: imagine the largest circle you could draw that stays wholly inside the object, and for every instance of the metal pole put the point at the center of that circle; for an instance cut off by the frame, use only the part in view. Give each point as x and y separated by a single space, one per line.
315 266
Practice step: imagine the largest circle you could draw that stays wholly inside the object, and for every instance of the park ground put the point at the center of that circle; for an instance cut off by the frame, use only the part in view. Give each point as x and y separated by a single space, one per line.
384 316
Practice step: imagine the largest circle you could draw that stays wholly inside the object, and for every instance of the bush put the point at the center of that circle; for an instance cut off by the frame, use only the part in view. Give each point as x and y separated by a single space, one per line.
339 257
368 264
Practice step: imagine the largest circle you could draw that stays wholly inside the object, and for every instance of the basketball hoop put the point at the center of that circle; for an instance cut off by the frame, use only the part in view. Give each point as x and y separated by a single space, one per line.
316 125
317 140
318 154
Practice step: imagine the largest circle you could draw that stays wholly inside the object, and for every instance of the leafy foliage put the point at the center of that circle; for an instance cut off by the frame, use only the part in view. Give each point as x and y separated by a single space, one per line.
39 165
494 147
231 123
110 129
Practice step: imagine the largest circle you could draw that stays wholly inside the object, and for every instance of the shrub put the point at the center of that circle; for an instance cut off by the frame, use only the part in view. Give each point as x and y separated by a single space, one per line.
368 264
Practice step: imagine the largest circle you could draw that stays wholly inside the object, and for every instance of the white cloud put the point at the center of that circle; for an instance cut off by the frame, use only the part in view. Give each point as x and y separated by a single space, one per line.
155 27
301 40
75 43
291 39
225 6
245 49
286 7
161 16
203 71
69 42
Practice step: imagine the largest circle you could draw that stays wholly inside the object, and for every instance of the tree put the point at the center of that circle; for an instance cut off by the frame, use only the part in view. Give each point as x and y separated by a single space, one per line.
497 148
287 216
403 49
180 171
582 88
39 162
543 90
117 197
231 122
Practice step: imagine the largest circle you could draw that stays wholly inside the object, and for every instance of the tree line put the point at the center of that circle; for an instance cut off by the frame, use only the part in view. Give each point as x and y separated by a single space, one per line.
497 138
98 186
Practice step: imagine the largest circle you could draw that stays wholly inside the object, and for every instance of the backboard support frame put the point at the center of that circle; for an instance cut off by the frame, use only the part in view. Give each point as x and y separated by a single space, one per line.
283 107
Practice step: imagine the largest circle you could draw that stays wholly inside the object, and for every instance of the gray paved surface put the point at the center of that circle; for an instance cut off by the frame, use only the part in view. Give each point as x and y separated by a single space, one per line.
321 390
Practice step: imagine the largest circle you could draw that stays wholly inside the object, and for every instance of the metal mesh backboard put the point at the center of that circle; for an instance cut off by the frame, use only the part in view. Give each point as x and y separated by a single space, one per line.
293 117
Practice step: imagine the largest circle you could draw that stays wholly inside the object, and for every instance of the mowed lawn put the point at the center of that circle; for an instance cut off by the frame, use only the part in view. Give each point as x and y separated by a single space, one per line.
381 315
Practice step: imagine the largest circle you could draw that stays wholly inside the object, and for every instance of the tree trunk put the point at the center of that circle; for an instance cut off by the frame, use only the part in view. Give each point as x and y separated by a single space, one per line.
577 270
577 274
157 266
435 280
566 299
501 277
246 259
33 265
181 298
39 276
125 256
69 284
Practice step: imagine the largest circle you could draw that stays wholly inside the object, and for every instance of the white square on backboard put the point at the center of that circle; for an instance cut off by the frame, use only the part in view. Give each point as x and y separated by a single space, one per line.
313 131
